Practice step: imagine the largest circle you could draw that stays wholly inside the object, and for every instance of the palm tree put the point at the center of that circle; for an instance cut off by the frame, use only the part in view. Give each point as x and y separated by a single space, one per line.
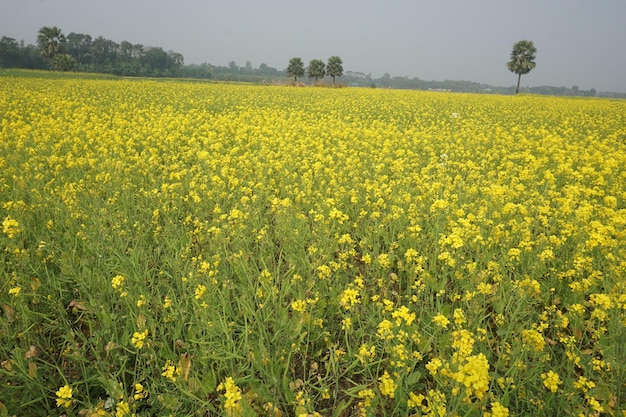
522 59
317 69
334 68
50 41
295 68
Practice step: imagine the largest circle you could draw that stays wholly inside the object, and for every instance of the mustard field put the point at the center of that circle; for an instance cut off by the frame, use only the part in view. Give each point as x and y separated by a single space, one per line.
193 249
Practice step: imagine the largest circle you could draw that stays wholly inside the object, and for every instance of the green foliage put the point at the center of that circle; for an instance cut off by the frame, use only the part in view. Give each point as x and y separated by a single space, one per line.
50 41
316 69
522 59
125 58
80 52
334 68
15 54
63 62
295 68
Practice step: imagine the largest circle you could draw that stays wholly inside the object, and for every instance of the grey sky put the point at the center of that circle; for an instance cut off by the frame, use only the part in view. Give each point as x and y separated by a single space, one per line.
579 42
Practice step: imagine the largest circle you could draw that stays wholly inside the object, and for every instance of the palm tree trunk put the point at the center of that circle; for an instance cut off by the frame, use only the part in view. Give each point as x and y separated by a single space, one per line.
519 78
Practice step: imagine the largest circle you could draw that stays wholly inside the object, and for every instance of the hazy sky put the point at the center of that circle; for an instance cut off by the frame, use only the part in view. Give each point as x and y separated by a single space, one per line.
579 42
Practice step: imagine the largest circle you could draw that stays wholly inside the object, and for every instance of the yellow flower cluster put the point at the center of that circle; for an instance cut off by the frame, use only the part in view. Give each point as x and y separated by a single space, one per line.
551 380
64 396
139 338
199 291
533 338
365 401
122 409
349 297
298 305
441 320
387 385
140 392
474 375
497 410
431 405
10 227
232 395
171 371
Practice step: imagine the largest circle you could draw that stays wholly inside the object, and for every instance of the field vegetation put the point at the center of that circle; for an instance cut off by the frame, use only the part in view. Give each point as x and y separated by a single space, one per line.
196 249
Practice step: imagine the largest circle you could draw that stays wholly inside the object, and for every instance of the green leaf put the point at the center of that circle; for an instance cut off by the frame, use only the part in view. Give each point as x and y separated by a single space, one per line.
498 306
209 382
287 391
425 346
413 378
339 408
169 401
194 385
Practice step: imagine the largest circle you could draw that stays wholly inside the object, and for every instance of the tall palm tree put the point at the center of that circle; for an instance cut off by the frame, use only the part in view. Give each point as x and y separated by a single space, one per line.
334 68
522 59
50 41
317 69
295 68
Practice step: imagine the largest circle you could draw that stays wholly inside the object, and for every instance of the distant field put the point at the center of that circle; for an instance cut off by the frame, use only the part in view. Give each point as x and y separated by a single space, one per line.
196 249
54 75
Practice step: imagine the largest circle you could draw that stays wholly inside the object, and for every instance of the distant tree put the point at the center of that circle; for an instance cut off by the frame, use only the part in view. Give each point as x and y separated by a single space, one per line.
385 80
197 71
522 59
317 69
31 58
178 60
267 70
9 53
50 41
295 68
78 45
126 51
104 54
334 68
156 61
138 50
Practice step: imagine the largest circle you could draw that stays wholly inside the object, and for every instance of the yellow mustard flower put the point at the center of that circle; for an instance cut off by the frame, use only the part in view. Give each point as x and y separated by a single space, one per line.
232 395
551 380
64 396
138 339
10 227
441 321
387 385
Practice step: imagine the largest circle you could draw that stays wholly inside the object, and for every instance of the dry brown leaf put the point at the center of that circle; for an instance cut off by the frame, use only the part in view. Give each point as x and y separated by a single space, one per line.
8 311
31 352
35 283
185 365
78 305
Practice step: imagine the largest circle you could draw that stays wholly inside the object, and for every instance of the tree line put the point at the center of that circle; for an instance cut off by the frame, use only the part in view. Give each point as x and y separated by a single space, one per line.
81 52
316 69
